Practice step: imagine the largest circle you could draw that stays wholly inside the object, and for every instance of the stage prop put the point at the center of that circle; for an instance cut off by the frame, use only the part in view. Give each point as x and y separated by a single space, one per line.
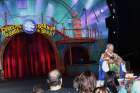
29 53
33 51
63 25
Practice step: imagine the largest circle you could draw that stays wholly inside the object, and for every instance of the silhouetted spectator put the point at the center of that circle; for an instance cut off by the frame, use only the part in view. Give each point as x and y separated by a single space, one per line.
55 83
85 82
38 89
111 82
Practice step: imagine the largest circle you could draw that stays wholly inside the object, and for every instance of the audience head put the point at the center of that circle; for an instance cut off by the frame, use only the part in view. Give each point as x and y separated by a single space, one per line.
111 81
110 75
101 90
38 89
54 78
85 82
76 83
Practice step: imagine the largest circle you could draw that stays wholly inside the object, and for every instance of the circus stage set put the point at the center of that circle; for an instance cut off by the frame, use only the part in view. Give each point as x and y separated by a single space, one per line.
69 36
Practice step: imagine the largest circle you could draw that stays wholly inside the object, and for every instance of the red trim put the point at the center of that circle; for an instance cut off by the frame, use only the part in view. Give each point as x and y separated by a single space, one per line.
80 40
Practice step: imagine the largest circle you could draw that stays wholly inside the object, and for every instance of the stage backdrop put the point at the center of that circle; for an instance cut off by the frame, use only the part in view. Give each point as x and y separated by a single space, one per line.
27 56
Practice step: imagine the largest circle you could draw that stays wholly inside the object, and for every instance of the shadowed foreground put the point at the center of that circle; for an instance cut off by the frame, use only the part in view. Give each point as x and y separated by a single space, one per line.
25 86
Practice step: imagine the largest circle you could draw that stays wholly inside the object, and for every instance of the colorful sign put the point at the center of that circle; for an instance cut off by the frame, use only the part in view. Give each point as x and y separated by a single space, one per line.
45 29
10 30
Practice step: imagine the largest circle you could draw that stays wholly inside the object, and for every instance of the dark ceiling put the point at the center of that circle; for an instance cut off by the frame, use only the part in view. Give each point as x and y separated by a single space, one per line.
129 33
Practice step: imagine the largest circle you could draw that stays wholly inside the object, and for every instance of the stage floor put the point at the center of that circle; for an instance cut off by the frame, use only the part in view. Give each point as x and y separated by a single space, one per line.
25 86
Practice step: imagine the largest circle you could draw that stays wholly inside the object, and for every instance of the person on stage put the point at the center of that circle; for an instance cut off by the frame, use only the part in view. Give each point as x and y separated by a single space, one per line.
110 61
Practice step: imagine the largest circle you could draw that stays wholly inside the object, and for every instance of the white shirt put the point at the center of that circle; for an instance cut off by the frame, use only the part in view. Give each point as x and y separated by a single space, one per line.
105 66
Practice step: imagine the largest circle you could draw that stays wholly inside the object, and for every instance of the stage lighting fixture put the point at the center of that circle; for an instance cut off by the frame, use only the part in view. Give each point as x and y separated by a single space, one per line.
112 6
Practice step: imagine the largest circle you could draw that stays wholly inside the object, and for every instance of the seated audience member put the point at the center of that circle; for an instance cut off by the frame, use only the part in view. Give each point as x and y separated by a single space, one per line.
101 90
111 82
135 87
55 83
85 82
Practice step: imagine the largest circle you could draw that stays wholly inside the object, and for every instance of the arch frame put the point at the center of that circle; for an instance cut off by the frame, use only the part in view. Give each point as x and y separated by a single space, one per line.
7 40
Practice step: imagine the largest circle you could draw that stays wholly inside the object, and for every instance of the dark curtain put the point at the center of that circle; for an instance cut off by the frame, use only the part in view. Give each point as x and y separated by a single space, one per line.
27 56
79 55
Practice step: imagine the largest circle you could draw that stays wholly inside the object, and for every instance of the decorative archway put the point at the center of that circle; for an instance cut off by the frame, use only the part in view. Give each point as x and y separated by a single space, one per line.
29 55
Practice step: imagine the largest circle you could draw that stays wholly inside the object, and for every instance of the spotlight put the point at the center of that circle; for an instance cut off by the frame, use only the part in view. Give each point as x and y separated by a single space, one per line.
114 11
102 10
114 32
113 17
112 6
